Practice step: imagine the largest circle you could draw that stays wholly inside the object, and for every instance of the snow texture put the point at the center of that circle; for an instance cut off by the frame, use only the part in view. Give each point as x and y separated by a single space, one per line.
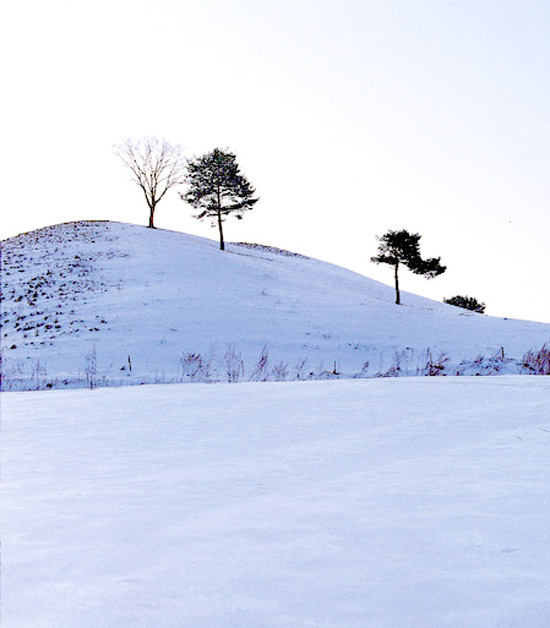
374 503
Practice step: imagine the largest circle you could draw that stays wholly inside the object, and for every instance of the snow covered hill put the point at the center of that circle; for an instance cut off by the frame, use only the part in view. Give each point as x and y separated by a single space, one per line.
102 303
344 504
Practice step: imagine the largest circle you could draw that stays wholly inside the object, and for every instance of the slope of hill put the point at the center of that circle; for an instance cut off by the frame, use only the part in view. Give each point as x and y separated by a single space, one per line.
91 303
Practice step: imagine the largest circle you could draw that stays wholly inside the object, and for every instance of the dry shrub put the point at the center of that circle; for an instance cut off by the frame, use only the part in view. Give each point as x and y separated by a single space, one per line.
537 363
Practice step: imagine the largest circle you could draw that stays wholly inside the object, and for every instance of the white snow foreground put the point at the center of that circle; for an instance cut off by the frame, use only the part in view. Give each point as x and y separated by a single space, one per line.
106 304
379 503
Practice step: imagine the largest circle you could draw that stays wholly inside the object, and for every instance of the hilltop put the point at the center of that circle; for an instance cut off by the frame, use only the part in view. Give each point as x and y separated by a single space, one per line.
91 303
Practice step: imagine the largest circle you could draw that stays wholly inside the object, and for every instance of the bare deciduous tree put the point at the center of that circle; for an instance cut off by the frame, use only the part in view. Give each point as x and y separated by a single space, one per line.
156 166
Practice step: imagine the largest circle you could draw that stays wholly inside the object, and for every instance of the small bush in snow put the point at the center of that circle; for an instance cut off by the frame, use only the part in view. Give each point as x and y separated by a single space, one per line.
392 371
260 373
279 372
537 363
467 303
193 367
233 364
90 368
435 367
299 369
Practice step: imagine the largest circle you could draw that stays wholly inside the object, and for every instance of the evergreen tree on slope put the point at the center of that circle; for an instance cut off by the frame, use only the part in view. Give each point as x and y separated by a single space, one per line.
403 248
217 188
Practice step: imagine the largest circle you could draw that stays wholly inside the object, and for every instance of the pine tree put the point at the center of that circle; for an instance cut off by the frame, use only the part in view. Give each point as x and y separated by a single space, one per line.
402 247
217 188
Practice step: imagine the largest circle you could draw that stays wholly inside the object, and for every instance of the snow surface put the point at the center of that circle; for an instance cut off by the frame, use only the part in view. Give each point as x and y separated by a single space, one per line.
359 503
84 301
374 503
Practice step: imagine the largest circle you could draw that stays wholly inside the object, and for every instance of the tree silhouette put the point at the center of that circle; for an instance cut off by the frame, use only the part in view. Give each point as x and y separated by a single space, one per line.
401 247
217 188
156 166
468 303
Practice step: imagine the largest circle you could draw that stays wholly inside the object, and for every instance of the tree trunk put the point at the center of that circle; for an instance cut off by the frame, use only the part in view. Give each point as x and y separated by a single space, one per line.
397 295
151 216
219 207
222 244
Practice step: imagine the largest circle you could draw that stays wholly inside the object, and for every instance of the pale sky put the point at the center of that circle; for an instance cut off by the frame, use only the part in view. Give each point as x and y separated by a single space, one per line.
349 117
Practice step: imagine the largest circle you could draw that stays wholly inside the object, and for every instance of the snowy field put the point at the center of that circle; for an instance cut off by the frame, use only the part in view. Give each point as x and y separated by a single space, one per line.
374 503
